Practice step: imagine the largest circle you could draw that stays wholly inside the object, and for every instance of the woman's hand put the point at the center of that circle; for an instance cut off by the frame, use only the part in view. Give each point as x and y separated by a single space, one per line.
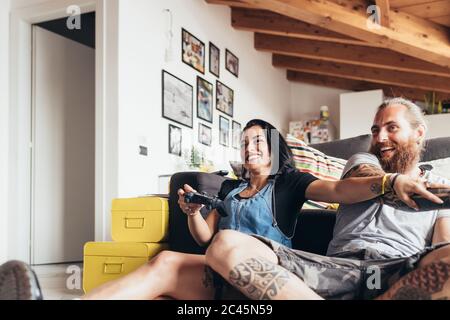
190 209
404 187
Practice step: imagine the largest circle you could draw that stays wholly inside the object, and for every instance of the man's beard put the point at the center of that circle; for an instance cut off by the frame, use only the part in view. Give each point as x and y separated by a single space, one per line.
405 156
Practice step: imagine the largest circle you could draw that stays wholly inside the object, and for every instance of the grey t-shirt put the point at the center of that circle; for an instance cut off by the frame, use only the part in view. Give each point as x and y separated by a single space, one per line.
376 226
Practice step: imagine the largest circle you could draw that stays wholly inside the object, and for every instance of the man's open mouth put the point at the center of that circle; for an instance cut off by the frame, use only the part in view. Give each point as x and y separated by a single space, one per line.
386 151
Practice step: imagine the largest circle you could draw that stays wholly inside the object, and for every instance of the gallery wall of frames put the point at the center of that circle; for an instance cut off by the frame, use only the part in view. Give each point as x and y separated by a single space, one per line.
182 101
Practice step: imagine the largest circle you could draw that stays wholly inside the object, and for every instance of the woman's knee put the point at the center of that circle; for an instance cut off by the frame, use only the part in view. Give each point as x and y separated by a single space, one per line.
164 261
225 243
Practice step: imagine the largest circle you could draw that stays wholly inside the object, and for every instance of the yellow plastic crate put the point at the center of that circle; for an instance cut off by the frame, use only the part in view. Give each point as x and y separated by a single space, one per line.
144 219
107 261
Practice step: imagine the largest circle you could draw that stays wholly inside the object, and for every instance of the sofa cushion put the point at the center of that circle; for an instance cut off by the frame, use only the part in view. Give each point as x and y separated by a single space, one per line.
437 148
441 167
315 162
345 148
310 160
314 231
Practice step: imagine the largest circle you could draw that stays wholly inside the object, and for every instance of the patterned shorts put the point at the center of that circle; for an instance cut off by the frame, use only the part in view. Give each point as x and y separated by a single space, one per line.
363 274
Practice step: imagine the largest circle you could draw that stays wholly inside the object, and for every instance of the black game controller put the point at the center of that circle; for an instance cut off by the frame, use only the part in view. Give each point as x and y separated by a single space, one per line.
422 203
208 201
425 204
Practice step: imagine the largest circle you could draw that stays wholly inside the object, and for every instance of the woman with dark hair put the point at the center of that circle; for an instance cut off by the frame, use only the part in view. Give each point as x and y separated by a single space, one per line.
264 203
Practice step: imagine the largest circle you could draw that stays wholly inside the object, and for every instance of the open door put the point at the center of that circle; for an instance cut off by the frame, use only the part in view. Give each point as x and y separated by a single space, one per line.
63 160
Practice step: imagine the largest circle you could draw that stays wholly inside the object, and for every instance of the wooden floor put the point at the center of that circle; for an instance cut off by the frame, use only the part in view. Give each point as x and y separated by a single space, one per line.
60 281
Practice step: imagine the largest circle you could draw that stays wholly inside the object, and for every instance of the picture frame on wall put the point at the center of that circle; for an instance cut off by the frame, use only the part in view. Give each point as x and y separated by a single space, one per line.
205 101
193 51
175 139
236 134
177 99
214 60
224 131
232 63
204 134
224 98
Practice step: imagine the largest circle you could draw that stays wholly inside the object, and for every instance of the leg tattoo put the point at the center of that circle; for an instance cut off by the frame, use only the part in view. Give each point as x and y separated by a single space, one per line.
207 278
429 282
259 278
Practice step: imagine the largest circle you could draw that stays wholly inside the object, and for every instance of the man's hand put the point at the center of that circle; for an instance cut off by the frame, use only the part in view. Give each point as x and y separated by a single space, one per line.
405 187
188 208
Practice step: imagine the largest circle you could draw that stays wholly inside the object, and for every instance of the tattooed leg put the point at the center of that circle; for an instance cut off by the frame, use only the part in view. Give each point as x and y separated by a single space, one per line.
252 267
431 282
261 279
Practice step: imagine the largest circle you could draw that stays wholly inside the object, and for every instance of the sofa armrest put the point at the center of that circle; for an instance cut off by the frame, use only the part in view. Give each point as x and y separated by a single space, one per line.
180 238
314 230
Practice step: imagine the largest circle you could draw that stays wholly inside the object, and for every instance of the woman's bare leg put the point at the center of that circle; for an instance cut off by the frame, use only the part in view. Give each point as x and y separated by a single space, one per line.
170 274
252 268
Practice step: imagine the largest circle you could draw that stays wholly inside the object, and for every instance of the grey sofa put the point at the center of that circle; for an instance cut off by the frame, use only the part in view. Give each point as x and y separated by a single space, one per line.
314 228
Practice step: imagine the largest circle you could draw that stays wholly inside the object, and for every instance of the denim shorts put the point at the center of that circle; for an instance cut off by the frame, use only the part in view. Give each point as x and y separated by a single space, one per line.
363 274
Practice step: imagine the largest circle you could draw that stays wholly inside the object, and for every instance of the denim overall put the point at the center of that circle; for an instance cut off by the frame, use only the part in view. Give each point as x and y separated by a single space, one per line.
253 215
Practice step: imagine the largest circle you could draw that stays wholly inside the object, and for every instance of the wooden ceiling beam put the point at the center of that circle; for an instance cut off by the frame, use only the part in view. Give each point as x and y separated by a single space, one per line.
350 54
356 85
231 3
431 9
407 34
375 75
267 22
383 11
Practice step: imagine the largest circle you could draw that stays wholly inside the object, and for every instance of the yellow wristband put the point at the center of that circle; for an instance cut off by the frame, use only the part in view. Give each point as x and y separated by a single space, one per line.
383 182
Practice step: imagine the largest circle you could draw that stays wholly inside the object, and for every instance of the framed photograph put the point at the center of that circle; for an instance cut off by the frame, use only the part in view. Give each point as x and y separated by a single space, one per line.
224 98
224 131
236 133
175 140
204 134
214 60
231 63
204 100
193 51
177 100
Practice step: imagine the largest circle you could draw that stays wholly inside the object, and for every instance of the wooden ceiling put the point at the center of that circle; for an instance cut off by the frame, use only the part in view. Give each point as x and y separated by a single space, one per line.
333 43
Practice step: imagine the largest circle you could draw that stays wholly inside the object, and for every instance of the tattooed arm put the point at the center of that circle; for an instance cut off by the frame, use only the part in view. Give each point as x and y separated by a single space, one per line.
395 198
364 170
364 183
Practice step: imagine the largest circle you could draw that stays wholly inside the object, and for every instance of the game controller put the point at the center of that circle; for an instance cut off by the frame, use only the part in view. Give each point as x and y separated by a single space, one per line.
422 203
209 201
425 204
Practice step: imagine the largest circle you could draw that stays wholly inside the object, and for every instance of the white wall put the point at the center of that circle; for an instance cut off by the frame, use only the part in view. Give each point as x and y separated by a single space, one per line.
438 125
357 110
4 128
306 100
260 91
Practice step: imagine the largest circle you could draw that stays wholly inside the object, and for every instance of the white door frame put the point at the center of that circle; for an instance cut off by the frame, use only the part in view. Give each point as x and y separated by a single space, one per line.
106 114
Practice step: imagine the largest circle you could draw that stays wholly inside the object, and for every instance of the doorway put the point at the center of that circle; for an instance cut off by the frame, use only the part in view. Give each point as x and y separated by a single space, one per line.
63 140
20 148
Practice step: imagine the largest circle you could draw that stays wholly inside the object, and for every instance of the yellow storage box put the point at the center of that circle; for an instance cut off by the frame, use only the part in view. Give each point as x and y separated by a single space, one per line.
144 219
106 261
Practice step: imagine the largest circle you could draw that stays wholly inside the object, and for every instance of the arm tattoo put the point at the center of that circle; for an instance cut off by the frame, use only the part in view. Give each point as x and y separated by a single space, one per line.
376 188
259 278
429 282
364 170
